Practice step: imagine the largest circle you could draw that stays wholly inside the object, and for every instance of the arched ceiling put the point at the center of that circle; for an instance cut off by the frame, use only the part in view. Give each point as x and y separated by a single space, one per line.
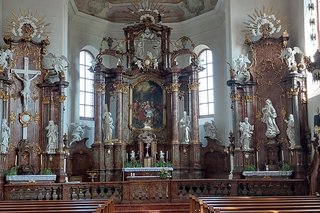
120 11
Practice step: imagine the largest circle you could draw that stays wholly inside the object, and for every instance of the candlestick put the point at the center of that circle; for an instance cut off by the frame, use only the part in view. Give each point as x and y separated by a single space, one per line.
282 155
167 155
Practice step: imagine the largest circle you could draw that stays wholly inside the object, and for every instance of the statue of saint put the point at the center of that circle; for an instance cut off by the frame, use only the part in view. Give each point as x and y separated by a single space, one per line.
52 135
246 130
161 156
132 155
77 134
185 126
269 118
210 130
291 130
109 127
5 133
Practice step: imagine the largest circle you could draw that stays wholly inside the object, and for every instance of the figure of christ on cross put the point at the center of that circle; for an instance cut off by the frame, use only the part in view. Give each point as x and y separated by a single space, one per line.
26 80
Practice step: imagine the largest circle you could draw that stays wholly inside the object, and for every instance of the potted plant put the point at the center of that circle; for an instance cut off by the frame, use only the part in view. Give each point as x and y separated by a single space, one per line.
46 171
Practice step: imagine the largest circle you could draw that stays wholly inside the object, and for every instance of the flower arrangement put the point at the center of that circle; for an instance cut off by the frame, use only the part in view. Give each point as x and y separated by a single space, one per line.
46 171
163 164
249 168
11 171
132 164
164 174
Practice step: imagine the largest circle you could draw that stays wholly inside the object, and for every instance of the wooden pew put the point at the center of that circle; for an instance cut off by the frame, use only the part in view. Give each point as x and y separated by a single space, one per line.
254 204
58 206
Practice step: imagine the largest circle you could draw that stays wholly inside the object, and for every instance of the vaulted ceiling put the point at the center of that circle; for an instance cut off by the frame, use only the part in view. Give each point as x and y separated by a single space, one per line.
120 11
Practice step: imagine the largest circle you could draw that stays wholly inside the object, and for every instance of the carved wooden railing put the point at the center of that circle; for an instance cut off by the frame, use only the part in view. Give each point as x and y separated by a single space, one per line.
154 190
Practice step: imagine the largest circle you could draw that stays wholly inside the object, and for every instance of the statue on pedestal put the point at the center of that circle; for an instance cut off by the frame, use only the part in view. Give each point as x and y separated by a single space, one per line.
269 118
5 135
185 126
246 130
291 130
52 135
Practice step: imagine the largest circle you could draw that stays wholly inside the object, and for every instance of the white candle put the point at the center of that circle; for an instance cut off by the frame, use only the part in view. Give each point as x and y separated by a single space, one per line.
65 165
41 161
167 155
16 161
257 154
282 155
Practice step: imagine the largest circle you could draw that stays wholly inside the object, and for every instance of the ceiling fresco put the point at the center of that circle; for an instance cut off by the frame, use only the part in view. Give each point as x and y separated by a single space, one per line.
120 11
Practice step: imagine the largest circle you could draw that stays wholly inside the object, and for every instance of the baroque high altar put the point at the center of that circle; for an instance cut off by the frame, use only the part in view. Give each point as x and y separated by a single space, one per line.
153 101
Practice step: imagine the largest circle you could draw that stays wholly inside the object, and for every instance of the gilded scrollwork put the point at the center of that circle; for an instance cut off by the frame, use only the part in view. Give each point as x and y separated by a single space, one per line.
36 118
248 98
12 117
4 96
25 118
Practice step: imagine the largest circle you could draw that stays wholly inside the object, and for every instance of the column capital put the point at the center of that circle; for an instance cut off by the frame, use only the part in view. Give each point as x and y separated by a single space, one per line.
173 87
99 87
194 86
121 88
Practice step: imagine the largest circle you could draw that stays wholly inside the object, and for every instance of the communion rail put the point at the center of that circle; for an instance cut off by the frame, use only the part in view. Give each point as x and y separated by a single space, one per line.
154 190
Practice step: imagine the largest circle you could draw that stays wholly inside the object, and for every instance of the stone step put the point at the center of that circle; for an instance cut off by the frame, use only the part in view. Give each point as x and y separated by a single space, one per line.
153 208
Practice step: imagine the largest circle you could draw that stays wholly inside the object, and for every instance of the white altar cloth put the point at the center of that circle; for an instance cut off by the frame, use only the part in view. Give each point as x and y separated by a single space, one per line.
30 178
267 173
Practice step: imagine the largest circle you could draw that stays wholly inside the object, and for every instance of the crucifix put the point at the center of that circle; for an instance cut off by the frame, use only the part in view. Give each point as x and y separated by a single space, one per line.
25 93
26 80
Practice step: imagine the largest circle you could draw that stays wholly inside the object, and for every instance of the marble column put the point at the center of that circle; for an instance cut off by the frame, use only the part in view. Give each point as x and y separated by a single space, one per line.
174 90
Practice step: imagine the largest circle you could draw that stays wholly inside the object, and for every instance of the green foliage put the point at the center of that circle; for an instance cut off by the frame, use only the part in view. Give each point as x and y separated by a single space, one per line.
249 168
163 164
286 167
11 171
132 164
46 171
164 174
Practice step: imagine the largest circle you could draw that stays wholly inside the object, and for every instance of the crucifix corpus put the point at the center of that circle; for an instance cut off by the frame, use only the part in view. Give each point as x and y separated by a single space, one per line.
26 80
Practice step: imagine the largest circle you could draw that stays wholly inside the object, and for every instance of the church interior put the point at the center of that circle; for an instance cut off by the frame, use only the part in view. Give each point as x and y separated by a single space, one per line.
150 101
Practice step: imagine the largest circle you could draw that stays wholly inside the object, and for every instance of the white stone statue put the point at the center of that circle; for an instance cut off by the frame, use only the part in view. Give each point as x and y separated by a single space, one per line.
5 57
242 71
246 130
269 118
57 63
161 156
26 80
52 135
109 127
210 130
288 55
77 134
185 123
132 155
5 135
291 130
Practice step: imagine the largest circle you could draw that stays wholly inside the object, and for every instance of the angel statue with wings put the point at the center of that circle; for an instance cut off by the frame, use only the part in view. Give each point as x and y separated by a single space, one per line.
288 56
56 65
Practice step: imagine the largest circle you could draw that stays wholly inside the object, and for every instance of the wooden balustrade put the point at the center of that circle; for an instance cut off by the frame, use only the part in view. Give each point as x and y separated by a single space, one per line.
154 190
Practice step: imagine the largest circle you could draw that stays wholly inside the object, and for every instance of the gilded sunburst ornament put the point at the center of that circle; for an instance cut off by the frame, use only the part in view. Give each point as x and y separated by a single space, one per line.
263 23
27 25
